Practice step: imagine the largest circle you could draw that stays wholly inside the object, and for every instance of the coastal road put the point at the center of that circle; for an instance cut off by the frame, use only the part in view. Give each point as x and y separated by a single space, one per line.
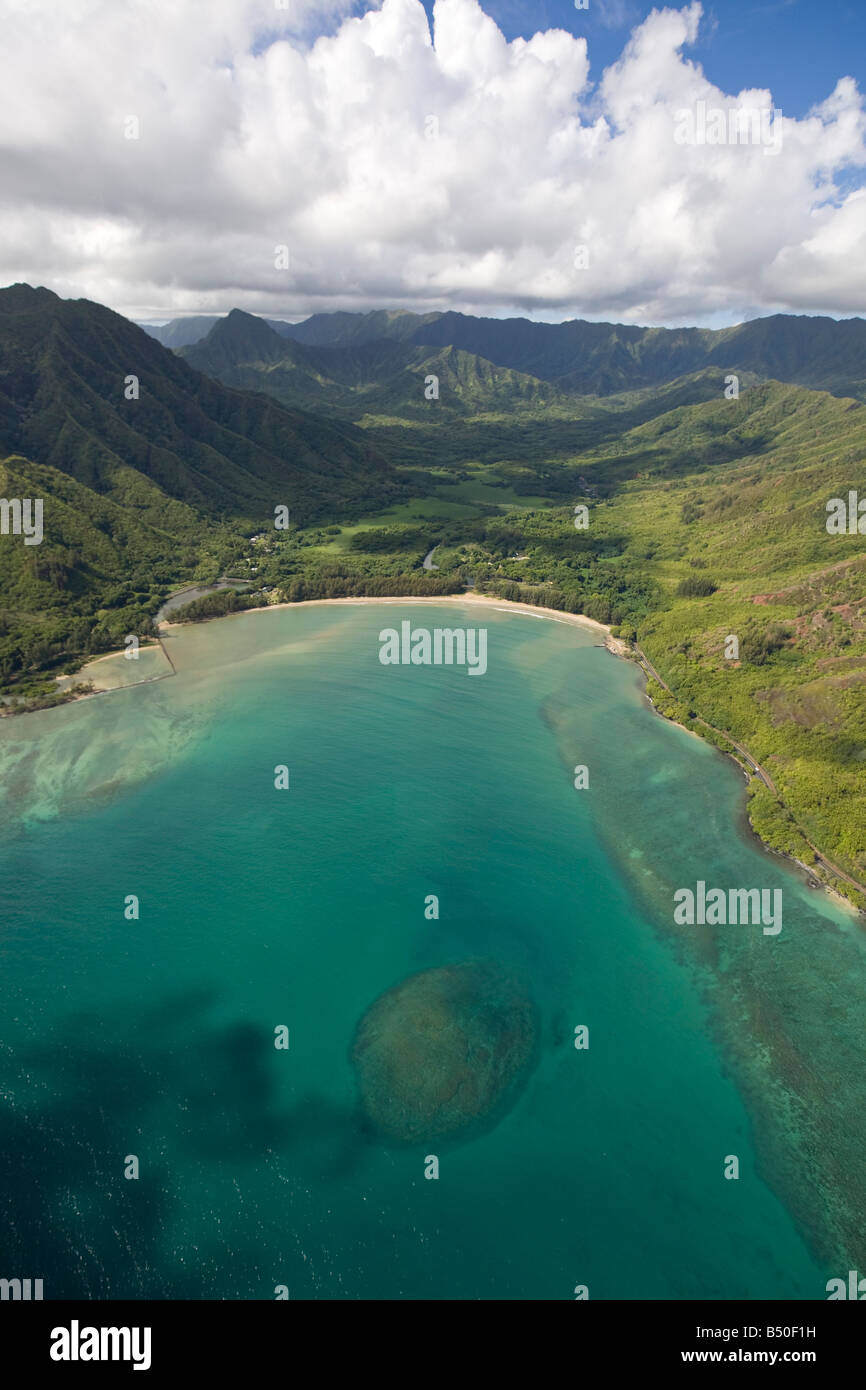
427 562
760 771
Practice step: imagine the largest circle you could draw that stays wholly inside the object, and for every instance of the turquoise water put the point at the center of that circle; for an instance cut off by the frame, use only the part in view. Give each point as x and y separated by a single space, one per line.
258 908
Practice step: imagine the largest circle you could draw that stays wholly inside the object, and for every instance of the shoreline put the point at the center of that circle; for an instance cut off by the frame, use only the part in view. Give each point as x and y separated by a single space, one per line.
813 877
617 646
614 644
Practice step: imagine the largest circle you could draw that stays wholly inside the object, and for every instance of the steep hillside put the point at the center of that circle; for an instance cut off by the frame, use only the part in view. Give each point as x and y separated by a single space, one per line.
98 574
377 378
714 526
348 329
141 494
64 371
603 358
178 333
707 515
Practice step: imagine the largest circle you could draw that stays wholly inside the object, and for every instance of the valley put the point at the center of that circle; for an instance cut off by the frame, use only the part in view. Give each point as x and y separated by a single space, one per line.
707 515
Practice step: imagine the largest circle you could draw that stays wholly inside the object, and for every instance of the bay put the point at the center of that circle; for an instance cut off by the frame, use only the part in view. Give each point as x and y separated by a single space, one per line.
154 1037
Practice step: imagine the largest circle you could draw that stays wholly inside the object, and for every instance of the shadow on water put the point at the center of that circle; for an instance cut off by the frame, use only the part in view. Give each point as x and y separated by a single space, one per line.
181 1094
202 1104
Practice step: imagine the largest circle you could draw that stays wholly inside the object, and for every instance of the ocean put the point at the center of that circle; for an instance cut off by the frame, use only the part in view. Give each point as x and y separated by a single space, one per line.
166 909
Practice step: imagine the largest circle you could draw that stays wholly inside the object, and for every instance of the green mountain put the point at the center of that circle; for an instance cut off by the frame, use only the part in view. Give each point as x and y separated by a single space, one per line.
178 333
141 493
707 515
376 378
603 358
347 329
483 413
708 523
98 574
64 372
592 359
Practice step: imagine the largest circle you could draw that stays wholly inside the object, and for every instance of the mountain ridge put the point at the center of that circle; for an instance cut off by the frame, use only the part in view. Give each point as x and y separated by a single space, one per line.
66 374
584 358
150 473
707 508
379 377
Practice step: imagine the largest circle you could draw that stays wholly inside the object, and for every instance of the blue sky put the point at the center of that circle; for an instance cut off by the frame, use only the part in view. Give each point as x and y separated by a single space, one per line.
797 48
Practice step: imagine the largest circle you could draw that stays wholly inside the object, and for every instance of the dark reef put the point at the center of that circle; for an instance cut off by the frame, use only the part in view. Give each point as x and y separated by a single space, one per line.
443 1049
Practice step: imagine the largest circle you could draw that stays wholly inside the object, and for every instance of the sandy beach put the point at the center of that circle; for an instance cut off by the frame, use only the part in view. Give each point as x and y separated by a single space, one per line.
504 605
471 599
613 644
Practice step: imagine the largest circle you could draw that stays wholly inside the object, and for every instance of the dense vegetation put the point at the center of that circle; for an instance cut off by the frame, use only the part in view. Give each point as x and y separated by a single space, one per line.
601 358
706 515
141 494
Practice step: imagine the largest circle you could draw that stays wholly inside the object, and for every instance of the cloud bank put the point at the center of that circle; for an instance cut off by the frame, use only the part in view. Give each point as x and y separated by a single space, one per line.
155 159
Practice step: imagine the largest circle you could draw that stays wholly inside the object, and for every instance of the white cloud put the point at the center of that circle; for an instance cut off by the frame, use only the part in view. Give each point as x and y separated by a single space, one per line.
254 133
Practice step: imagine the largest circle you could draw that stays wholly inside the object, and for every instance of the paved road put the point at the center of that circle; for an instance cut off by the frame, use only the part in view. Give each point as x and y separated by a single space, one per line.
760 772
